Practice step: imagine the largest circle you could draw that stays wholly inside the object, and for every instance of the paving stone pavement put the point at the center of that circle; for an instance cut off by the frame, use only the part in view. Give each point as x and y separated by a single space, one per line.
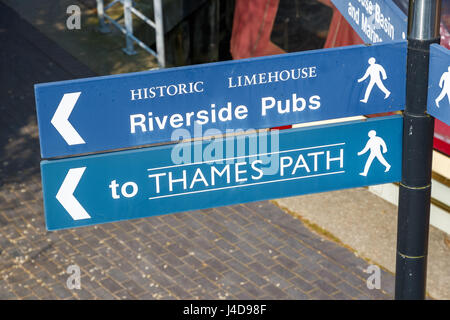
248 251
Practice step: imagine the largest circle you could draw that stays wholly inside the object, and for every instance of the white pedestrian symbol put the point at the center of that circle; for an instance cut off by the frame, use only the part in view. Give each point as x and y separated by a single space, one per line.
444 83
374 144
374 71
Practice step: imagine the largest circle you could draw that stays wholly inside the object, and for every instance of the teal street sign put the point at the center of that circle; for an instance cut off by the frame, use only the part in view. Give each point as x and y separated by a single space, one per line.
123 185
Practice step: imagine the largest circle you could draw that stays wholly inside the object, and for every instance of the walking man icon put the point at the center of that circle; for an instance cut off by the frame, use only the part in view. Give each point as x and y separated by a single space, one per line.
444 83
374 71
374 145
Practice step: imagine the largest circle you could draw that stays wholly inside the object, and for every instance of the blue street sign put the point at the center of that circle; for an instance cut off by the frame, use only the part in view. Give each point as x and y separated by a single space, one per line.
374 20
122 111
439 83
123 185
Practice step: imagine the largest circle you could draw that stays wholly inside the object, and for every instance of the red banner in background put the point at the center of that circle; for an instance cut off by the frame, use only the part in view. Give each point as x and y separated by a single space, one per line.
340 33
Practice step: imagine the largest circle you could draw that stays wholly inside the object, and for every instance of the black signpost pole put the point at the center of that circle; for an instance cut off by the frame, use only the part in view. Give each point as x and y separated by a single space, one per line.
418 127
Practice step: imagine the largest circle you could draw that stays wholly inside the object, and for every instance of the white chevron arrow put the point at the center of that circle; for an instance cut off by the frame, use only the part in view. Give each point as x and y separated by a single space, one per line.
60 119
65 194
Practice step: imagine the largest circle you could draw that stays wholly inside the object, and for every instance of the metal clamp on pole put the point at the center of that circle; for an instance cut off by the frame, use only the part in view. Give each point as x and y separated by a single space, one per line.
418 128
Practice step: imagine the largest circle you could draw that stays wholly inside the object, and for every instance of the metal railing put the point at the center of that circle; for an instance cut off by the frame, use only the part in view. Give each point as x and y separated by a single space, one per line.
127 28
